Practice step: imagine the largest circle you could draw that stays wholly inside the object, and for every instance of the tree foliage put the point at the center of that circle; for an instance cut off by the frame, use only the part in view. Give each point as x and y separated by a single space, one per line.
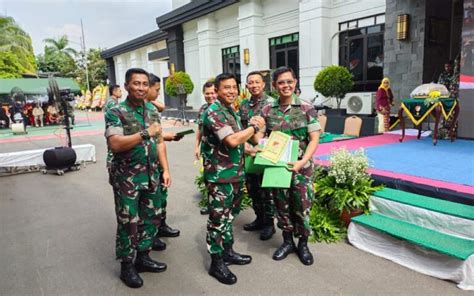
179 84
334 81
97 69
58 58
16 49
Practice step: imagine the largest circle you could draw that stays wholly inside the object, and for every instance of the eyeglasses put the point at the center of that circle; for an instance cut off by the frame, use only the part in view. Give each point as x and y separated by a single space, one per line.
285 82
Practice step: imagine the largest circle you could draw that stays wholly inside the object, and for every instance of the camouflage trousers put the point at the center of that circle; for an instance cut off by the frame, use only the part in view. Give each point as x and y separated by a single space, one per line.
224 206
138 218
164 196
294 204
262 199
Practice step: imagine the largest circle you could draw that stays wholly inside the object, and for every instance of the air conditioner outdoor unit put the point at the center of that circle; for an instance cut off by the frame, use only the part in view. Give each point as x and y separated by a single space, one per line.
360 103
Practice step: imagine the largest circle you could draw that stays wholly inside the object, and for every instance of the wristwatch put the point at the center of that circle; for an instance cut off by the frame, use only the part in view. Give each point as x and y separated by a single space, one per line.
145 134
255 127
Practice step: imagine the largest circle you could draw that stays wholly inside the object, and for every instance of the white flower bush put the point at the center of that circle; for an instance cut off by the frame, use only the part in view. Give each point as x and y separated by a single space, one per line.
348 167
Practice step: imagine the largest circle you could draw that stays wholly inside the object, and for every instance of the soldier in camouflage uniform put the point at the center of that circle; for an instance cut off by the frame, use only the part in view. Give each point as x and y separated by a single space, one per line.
133 135
448 78
112 101
210 96
298 119
262 201
164 230
222 149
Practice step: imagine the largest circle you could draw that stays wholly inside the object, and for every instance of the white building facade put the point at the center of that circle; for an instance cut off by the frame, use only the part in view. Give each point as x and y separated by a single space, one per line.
301 34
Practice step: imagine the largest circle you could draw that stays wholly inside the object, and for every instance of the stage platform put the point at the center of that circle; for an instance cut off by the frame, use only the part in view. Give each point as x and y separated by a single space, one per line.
445 171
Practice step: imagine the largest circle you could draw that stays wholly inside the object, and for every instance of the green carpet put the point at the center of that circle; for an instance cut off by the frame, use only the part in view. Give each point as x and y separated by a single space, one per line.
442 243
328 137
429 203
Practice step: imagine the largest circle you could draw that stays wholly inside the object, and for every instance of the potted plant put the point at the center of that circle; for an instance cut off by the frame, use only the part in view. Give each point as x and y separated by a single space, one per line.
343 190
334 82
179 85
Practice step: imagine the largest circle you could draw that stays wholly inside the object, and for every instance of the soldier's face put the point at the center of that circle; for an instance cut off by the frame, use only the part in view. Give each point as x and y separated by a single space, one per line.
154 91
227 91
117 92
137 87
210 94
285 84
255 85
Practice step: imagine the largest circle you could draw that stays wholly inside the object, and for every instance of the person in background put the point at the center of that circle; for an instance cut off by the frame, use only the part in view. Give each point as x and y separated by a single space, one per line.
38 115
52 114
298 91
115 94
164 230
210 96
447 77
383 103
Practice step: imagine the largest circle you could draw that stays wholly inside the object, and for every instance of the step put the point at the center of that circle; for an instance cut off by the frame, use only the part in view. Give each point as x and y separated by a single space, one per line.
430 239
429 203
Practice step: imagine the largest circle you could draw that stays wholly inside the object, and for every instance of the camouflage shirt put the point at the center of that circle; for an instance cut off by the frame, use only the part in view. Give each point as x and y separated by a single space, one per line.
221 164
201 111
297 120
250 108
109 103
136 167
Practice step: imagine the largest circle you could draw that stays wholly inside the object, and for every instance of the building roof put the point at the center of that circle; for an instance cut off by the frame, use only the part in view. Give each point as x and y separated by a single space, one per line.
133 44
36 86
190 11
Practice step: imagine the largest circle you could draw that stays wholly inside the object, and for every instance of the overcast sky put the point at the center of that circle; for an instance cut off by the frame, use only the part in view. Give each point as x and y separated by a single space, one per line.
107 23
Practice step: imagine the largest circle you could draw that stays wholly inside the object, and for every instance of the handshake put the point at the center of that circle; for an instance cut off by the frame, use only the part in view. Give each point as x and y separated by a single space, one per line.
257 121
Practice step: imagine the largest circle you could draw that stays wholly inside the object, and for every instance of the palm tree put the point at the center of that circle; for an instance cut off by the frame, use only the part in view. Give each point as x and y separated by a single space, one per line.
13 39
61 45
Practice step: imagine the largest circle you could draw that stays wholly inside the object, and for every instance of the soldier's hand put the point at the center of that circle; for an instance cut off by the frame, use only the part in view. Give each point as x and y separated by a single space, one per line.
249 150
166 179
176 137
154 129
296 166
197 152
258 121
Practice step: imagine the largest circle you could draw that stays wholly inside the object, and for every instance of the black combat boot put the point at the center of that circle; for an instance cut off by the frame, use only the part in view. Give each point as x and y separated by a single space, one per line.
268 229
286 248
257 224
303 251
166 231
232 257
204 211
220 271
158 244
130 276
144 263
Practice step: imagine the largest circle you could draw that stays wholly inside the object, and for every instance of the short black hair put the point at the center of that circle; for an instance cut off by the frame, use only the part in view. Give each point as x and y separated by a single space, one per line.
112 88
255 73
208 84
222 77
153 79
282 70
131 71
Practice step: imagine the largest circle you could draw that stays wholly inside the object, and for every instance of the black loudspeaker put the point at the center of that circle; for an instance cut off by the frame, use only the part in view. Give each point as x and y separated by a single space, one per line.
59 158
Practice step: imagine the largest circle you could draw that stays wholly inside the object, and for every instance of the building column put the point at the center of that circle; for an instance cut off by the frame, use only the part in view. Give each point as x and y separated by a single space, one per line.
252 37
317 48
209 54
111 70
174 42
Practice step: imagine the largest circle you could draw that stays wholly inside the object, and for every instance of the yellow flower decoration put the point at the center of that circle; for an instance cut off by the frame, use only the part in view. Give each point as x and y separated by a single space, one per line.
434 94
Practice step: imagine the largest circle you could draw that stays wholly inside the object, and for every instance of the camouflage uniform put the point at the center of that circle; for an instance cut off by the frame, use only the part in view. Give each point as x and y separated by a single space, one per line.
223 172
451 81
262 201
109 104
134 177
293 204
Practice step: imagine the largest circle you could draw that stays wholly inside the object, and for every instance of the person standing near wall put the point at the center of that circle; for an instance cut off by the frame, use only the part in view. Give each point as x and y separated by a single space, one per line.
383 103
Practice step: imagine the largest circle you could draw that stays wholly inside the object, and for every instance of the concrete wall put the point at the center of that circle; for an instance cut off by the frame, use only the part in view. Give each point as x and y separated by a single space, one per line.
403 59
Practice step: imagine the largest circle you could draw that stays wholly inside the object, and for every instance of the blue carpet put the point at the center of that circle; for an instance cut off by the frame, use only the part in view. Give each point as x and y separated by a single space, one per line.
450 162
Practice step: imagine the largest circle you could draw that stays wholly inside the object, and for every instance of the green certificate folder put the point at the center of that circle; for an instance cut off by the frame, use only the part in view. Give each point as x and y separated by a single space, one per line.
185 132
251 167
276 177
265 162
